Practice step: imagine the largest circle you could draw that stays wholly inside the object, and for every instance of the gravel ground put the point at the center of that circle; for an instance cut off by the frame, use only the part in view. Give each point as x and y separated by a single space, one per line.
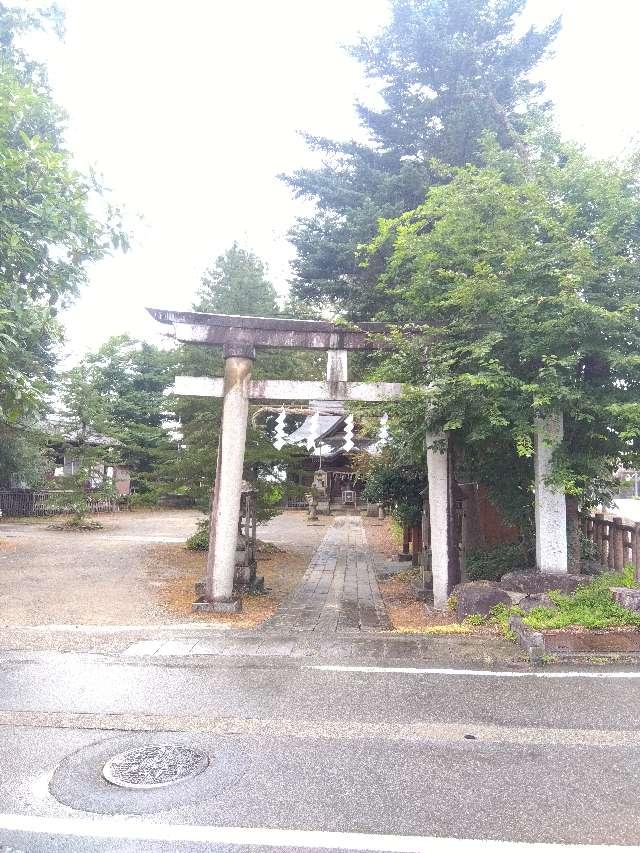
406 612
101 577
133 572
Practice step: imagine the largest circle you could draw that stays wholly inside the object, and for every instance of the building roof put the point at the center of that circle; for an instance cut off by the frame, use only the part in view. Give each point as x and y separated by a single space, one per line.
331 418
93 439
326 425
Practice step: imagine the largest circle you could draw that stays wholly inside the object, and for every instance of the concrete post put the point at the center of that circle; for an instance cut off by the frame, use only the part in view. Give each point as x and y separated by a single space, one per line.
337 366
439 517
551 511
226 506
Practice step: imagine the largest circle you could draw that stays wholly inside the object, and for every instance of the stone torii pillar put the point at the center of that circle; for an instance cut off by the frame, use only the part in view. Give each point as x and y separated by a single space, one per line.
225 509
240 337
445 556
551 505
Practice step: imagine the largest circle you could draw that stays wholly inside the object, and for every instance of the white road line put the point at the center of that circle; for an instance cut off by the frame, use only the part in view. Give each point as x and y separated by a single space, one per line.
135 830
144 648
480 673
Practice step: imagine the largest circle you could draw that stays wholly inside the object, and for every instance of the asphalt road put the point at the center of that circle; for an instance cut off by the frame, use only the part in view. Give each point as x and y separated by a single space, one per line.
306 758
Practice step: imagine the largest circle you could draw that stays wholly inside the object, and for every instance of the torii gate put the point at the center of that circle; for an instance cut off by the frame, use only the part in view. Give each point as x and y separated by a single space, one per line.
240 337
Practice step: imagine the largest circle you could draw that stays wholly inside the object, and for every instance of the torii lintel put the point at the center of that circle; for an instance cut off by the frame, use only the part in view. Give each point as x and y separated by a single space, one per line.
193 327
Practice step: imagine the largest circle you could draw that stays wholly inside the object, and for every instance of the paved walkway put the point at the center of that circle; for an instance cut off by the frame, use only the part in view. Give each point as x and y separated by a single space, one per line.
339 591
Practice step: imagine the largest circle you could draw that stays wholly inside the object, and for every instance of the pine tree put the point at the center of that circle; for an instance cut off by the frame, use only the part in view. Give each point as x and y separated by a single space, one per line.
235 284
450 69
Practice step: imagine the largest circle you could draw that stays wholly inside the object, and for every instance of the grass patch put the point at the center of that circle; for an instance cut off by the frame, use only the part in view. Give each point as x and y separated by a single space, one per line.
500 617
76 522
452 628
590 606
475 619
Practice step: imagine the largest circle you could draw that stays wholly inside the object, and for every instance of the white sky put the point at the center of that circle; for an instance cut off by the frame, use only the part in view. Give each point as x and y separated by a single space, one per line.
190 111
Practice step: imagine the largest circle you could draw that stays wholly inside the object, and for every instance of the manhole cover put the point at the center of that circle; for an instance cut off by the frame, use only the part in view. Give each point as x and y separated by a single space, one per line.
154 766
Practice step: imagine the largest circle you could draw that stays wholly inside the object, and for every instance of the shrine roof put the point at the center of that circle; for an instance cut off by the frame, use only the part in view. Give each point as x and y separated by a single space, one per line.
326 425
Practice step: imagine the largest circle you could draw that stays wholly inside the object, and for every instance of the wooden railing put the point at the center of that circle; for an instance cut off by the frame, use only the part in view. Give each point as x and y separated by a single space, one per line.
617 544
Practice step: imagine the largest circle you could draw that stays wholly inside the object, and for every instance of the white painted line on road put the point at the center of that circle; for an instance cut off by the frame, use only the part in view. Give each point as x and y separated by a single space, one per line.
176 647
144 648
135 830
484 673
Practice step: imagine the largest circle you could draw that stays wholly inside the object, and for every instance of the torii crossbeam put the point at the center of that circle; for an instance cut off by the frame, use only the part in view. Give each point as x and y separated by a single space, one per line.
240 337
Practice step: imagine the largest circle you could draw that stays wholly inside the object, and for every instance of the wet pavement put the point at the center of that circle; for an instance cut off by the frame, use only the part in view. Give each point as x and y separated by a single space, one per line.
309 756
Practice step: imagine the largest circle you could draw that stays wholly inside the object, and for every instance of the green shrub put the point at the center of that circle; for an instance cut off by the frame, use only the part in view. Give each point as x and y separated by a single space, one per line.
200 539
143 499
500 617
493 564
475 619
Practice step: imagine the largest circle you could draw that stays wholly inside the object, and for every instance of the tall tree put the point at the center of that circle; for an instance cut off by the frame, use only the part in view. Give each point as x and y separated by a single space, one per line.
235 284
525 274
49 231
449 70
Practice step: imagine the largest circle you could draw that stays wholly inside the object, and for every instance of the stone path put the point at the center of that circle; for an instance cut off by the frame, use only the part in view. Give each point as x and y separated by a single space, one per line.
339 591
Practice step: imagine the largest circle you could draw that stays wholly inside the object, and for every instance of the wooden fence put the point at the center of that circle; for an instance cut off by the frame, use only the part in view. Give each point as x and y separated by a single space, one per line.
617 544
26 502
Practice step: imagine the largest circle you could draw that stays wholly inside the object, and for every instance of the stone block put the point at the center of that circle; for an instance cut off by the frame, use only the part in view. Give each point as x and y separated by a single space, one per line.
231 605
622 640
537 582
404 558
626 597
478 597
540 599
531 641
